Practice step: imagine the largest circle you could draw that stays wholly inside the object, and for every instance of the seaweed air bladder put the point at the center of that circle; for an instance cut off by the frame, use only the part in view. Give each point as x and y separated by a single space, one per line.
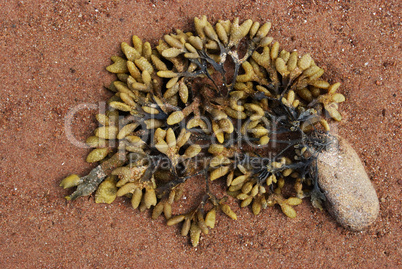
223 104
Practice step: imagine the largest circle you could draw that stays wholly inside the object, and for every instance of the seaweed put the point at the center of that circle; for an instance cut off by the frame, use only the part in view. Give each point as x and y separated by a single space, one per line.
220 103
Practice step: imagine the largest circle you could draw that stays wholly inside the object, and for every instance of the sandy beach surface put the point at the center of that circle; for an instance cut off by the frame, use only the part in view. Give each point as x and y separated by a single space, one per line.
54 55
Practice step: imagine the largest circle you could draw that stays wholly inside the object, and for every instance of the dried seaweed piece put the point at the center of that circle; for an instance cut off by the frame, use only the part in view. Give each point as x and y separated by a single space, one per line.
88 184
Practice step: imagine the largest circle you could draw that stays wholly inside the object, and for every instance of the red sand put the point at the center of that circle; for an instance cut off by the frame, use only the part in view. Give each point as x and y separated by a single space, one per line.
54 55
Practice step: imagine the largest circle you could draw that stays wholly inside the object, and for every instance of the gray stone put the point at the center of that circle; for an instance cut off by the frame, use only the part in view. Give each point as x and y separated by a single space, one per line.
351 198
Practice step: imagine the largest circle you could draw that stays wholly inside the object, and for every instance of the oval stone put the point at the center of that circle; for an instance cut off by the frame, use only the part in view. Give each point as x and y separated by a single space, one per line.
351 198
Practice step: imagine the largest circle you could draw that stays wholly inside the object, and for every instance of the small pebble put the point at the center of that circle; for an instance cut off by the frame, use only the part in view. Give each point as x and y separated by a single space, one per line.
351 198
